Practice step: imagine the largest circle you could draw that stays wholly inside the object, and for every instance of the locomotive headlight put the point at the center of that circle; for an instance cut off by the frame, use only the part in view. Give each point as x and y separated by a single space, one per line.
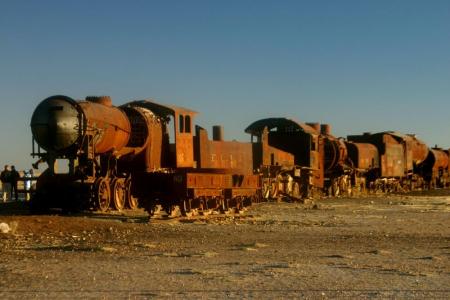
55 123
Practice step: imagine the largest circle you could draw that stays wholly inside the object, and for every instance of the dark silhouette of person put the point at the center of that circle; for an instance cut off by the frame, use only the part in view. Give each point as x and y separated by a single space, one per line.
6 184
14 177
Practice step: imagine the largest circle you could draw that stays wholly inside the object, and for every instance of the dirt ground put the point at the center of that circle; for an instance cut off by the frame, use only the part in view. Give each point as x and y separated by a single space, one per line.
374 247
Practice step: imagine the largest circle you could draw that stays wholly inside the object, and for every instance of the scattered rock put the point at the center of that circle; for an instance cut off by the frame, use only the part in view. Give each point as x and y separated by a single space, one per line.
8 228
4 228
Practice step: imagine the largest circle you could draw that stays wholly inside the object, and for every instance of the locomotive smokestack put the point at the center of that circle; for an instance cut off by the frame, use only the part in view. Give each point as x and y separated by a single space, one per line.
217 133
325 129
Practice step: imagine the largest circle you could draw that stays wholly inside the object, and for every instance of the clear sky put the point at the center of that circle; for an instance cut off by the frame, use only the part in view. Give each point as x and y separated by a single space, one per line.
362 65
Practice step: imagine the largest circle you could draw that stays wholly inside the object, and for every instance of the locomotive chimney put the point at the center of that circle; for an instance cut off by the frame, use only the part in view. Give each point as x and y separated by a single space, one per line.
325 129
217 133
316 126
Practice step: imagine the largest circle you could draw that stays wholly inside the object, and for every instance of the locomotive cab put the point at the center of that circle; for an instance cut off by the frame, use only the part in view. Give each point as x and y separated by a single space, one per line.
178 154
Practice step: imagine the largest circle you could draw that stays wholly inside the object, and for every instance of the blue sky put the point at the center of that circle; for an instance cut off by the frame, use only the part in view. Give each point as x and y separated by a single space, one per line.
359 65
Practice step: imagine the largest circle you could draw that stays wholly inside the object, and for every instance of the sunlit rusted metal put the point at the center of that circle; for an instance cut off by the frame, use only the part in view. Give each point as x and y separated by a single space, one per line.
439 159
108 125
364 156
392 152
335 152
222 154
419 149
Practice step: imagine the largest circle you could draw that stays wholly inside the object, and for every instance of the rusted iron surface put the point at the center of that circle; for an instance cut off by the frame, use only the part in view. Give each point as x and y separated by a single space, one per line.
392 153
439 159
222 154
297 139
145 146
335 153
181 152
109 126
266 155
364 156
419 149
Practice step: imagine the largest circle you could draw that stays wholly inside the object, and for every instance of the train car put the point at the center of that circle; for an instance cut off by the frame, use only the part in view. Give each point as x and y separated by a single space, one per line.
149 154
290 157
435 168
399 156
365 162
337 166
196 174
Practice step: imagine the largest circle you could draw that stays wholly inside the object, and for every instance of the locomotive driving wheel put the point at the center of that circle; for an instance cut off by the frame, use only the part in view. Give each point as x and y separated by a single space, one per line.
102 194
131 202
118 193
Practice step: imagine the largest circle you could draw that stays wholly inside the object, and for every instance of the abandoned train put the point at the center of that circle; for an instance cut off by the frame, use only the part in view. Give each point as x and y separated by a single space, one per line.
146 153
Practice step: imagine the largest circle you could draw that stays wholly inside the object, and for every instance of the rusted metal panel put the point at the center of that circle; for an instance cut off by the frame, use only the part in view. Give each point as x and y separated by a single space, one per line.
222 154
142 122
297 139
108 125
204 192
183 119
233 193
335 152
364 156
419 149
319 166
440 159
393 153
267 155
393 160
219 181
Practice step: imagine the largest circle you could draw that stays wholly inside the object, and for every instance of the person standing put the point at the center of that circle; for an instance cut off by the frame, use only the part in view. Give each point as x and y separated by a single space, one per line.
14 177
6 184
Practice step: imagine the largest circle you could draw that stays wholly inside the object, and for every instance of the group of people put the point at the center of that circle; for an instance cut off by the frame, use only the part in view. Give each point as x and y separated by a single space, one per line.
9 178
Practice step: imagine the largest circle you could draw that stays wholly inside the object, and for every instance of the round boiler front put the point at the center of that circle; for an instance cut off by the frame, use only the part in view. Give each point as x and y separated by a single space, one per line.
56 124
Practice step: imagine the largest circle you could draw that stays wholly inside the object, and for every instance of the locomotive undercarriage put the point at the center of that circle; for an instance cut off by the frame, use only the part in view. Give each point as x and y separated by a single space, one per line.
188 193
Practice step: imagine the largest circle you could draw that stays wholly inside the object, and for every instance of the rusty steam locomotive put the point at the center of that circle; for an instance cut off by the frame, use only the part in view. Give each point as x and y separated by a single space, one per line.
146 153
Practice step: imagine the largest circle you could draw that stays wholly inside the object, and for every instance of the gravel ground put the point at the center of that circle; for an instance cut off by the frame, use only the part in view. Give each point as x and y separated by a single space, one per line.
373 247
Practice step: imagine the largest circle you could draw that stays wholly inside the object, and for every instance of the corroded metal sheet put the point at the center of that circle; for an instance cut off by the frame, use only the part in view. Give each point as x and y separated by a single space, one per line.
364 156
440 159
335 152
222 154
108 125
